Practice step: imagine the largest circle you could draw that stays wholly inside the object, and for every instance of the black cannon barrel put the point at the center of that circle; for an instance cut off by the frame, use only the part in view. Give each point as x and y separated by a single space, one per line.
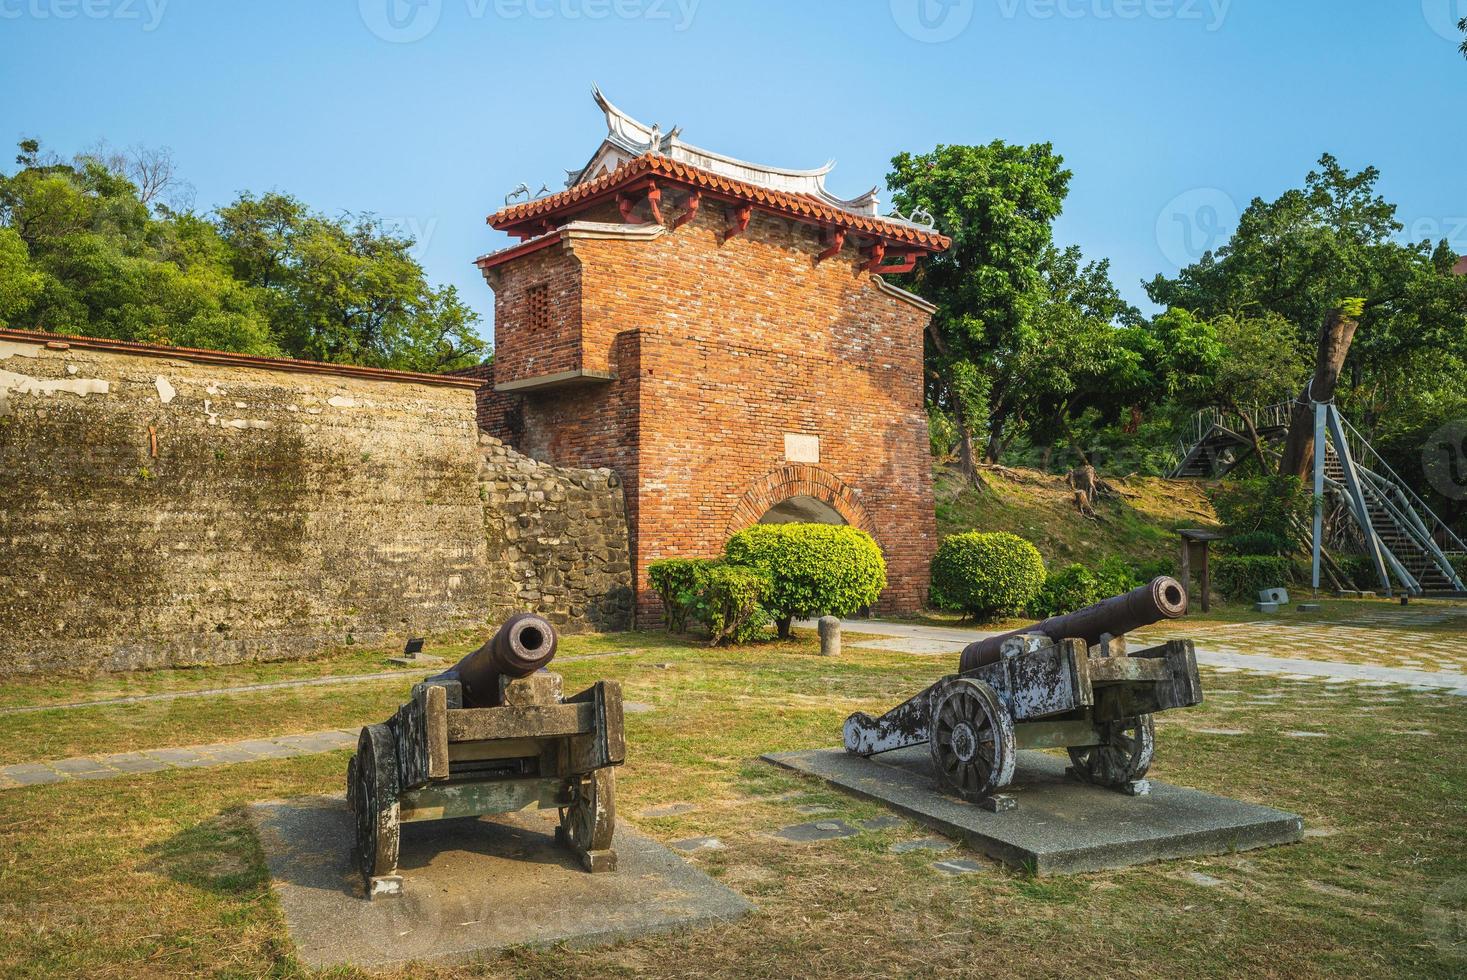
1163 598
523 645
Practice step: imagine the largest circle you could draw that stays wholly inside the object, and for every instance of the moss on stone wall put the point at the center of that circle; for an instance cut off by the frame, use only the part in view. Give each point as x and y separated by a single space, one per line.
181 513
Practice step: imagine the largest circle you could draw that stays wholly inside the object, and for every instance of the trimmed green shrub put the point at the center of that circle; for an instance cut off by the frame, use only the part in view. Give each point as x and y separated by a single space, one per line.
724 597
1073 588
1065 591
678 582
1114 576
814 569
986 575
731 602
1242 577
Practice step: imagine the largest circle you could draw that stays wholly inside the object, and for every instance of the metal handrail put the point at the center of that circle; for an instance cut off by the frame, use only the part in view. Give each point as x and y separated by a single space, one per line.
1441 529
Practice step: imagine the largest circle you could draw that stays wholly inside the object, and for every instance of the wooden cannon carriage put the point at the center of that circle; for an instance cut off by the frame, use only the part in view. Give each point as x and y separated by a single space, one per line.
491 735
1064 683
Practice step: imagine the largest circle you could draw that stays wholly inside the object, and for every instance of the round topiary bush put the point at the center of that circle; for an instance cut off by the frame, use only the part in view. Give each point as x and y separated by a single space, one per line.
816 569
1066 591
986 575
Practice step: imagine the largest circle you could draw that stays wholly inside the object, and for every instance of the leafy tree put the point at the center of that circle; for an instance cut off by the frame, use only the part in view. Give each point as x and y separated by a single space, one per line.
997 202
1327 260
90 247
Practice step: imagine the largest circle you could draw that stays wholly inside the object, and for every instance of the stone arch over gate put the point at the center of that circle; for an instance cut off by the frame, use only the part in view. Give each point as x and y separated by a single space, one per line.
788 482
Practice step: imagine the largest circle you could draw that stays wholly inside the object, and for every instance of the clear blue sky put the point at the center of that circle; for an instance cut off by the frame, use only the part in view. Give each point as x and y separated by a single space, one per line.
1171 113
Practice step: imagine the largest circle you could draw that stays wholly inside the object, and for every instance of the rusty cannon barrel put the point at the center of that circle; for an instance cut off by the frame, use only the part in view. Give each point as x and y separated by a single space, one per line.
523 645
1164 598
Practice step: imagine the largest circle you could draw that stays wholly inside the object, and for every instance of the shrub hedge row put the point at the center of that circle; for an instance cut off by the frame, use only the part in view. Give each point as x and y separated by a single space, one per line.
771 572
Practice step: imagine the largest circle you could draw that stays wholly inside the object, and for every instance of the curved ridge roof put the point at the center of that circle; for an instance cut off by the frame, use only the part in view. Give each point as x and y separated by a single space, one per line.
651 165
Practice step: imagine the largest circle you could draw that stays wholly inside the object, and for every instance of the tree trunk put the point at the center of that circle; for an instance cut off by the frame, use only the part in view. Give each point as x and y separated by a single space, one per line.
782 625
1335 337
1251 429
967 459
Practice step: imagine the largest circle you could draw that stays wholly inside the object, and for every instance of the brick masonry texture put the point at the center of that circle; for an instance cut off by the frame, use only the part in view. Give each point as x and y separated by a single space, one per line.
156 511
719 350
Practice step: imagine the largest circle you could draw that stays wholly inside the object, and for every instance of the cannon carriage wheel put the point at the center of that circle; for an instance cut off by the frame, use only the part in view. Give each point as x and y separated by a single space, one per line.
372 797
971 738
1124 755
588 824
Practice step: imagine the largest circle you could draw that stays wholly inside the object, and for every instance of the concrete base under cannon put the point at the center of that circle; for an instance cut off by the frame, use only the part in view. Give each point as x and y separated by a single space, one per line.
472 886
1062 826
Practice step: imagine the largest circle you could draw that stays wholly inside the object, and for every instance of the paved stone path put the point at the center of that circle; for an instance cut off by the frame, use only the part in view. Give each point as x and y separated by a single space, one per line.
941 640
188 757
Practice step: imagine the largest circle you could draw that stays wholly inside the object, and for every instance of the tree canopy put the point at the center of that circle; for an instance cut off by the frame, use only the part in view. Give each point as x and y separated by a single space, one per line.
105 245
1025 334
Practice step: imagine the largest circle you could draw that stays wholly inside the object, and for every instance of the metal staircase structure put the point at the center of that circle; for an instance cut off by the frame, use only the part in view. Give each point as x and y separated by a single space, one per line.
1410 547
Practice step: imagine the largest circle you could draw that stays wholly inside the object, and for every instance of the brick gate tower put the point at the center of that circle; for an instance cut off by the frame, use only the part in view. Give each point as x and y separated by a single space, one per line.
720 335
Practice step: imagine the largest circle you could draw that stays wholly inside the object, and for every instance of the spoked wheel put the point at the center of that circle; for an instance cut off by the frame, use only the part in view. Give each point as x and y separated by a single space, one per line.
373 798
1123 756
589 823
971 738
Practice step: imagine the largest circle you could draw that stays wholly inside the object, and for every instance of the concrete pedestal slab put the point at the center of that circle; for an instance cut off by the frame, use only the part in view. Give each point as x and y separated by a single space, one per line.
1060 826
471 886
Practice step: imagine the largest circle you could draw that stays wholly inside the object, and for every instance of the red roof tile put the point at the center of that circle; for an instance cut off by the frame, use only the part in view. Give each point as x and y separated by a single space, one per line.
1461 267
651 165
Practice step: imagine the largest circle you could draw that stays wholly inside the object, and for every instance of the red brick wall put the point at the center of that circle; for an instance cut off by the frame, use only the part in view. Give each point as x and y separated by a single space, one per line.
720 350
537 316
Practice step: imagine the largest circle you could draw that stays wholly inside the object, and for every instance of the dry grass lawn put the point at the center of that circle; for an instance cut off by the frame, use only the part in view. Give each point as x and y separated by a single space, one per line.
159 875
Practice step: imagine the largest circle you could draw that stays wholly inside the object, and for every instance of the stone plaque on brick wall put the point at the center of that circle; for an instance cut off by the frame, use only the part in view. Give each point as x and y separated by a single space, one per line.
801 449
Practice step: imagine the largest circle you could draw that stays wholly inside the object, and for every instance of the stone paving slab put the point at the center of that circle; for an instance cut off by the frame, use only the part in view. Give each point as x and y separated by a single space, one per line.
471 886
1060 826
187 757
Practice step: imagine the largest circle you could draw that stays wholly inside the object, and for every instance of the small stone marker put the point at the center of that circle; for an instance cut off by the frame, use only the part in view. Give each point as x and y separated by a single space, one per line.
1221 731
1280 596
1310 607
960 866
695 844
1267 607
821 830
829 636
1306 734
923 844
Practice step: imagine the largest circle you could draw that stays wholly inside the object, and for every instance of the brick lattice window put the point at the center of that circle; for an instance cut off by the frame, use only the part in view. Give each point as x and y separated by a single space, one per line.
537 309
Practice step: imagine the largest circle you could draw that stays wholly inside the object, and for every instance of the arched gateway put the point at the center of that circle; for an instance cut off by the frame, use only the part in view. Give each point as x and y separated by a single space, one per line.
805 494
720 334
